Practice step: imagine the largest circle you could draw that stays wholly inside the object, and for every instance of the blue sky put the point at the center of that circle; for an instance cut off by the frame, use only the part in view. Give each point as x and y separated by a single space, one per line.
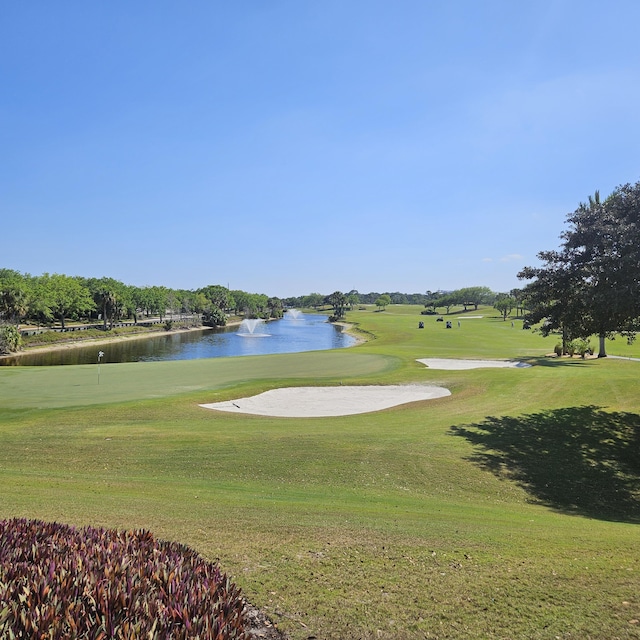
289 146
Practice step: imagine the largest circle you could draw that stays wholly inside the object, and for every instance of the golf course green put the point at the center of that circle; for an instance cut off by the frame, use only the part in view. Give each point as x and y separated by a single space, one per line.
509 509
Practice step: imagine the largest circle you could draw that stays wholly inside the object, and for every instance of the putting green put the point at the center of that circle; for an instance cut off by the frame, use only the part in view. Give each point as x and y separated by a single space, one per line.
79 385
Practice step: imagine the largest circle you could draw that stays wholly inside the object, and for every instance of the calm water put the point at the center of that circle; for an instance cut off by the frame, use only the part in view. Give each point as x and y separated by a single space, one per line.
289 335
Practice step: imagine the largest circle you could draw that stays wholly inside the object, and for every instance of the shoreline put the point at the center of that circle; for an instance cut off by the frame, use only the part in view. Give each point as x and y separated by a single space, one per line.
351 329
89 342
78 343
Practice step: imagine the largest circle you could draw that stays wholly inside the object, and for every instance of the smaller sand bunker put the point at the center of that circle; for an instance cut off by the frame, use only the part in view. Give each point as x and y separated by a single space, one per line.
316 402
455 364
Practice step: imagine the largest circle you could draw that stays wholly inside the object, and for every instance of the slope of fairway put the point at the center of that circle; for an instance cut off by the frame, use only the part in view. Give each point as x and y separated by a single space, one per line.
509 509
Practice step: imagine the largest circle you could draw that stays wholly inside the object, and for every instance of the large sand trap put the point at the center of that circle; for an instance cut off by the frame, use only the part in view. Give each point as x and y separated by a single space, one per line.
454 364
314 402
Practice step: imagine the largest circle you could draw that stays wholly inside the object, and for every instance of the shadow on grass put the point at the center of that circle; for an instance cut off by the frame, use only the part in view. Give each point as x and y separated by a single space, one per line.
548 361
578 460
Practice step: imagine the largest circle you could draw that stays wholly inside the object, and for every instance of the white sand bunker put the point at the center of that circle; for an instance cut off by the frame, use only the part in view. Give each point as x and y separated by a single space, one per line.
315 402
454 364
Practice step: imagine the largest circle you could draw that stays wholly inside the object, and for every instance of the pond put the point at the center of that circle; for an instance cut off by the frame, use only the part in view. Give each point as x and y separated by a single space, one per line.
304 332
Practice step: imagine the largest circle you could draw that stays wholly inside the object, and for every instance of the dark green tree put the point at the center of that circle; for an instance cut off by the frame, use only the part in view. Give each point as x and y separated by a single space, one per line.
504 304
383 301
14 296
106 293
553 297
474 296
338 301
275 307
592 284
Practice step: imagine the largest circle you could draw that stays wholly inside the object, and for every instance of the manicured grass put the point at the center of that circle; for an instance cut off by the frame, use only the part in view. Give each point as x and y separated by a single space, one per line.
507 510
65 386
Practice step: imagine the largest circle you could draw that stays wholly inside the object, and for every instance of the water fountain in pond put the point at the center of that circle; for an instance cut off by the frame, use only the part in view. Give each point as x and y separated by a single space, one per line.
294 314
248 328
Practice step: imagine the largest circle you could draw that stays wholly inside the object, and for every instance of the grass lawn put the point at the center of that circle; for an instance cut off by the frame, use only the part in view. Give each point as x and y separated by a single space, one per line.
510 509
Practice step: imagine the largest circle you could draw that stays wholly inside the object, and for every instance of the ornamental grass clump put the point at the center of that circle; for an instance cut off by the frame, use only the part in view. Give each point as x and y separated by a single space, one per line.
57 581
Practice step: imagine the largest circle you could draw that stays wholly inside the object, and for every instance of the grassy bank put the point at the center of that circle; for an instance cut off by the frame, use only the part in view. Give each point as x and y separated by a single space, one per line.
508 510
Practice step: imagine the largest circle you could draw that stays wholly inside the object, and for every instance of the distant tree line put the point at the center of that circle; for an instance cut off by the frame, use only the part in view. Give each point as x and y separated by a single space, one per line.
432 301
315 300
469 297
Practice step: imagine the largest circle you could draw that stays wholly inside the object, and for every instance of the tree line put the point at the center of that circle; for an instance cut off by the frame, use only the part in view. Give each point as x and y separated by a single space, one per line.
353 297
433 301
590 285
57 298
472 298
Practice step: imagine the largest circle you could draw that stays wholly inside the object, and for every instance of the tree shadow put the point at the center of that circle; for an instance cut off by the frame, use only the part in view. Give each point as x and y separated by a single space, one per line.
578 460
546 361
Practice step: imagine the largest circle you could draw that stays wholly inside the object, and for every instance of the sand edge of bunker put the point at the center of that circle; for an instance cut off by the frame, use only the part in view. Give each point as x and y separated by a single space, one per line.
313 402
456 364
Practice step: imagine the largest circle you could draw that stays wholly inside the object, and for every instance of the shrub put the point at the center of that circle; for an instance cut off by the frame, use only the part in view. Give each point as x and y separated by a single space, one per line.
558 349
581 347
57 581
168 325
214 318
10 339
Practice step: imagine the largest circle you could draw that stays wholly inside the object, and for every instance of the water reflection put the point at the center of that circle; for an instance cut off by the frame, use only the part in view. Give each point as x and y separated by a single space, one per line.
306 333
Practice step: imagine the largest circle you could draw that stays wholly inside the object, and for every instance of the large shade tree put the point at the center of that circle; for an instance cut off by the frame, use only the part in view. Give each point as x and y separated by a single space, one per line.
591 285
553 297
475 296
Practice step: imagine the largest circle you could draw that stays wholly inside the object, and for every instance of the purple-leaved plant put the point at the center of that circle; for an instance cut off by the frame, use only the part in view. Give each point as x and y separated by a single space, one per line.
57 581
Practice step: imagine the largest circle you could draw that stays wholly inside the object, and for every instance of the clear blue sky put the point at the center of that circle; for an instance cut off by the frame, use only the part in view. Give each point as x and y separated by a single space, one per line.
294 146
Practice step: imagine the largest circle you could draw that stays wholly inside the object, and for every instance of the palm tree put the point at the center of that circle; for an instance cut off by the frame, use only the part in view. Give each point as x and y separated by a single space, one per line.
105 295
338 301
275 307
14 303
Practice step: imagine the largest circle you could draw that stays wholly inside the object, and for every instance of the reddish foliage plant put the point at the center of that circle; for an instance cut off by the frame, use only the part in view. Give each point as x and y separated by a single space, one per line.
57 581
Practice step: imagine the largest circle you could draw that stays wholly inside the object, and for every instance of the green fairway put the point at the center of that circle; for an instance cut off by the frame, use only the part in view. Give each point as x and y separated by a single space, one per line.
66 386
510 509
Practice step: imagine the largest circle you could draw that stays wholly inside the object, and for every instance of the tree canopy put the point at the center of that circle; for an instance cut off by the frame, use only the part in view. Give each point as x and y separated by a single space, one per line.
591 284
48 298
383 301
338 301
